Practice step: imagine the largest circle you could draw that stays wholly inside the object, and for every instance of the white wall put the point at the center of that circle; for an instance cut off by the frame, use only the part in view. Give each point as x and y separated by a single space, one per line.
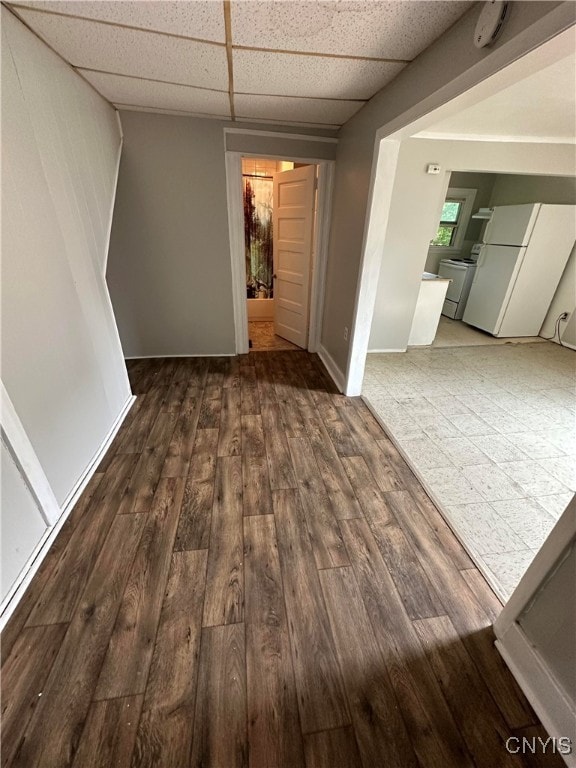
169 269
513 190
62 362
449 67
417 199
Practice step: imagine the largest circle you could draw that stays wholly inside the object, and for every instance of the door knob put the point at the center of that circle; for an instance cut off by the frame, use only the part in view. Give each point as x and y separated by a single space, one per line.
274 276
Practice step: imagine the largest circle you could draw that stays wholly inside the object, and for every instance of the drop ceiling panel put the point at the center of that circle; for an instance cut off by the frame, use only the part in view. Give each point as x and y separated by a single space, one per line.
200 19
148 93
321 111
285 74
91 45
398 30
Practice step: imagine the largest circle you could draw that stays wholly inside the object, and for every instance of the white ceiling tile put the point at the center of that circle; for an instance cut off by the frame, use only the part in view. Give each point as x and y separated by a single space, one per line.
91 45
149 93
201 19
398 30
285 74
306 110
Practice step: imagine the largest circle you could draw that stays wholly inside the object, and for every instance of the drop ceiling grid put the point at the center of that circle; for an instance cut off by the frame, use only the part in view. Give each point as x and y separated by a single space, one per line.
192 57
135 92
127 51
203 16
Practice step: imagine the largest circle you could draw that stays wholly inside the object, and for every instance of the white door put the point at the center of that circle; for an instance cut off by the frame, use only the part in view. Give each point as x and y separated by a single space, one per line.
293 224
511 224
493 283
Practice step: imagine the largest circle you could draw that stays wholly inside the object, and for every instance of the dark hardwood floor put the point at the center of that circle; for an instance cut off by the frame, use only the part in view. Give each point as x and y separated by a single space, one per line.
254 577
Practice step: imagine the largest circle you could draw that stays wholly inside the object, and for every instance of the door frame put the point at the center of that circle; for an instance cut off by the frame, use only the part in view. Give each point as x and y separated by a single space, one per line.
326 168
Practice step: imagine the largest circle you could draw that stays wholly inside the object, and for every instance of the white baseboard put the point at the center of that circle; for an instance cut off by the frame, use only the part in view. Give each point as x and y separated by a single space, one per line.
379 351
16 593
548 700
335 373
159 357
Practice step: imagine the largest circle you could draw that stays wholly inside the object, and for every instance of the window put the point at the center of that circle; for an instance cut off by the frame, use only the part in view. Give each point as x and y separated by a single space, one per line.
456 212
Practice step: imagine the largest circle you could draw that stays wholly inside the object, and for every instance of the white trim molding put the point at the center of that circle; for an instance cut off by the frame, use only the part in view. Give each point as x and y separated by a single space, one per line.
279 135
236 233
25 458
26 575
550 701
335 373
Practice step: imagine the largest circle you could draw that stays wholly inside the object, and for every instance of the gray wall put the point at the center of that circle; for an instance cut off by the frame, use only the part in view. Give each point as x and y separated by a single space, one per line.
515 189
447 68
169 268
169 265
62 362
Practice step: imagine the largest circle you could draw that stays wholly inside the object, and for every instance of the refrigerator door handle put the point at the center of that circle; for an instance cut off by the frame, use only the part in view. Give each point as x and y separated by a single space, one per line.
481 257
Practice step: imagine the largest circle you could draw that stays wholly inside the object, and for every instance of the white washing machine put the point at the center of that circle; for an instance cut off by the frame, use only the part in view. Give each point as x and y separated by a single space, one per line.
461 273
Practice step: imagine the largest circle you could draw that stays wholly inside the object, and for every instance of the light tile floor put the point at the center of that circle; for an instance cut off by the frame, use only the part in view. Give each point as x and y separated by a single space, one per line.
490 430
455 333
263 338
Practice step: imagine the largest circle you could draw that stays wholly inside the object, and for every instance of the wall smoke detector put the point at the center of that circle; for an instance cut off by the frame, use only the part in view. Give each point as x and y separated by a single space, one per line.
490 22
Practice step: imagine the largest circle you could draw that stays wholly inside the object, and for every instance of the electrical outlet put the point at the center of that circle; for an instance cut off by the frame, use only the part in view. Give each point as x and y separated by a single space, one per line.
564 316
345 333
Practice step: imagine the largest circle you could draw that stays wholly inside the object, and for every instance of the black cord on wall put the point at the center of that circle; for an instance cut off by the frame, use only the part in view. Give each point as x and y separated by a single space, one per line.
561 316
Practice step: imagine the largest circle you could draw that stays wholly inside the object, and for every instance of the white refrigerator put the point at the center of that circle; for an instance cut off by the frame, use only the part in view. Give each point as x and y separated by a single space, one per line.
525 250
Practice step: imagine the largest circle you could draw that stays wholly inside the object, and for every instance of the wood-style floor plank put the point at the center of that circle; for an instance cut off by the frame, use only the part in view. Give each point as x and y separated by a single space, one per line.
477 716
255 577
341 494
53 733
58 600
376 717
327 749
109 733
257 496
433 732
180 448
127 661
464 610
252 436
22 681
325 535
220 737
229 440
165 734
321 697
417 593
279 464
43 575
224 601
140 491
273 721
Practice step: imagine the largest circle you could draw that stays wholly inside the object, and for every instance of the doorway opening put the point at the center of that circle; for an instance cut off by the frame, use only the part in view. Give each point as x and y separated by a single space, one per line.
279 204
305 183
278 262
